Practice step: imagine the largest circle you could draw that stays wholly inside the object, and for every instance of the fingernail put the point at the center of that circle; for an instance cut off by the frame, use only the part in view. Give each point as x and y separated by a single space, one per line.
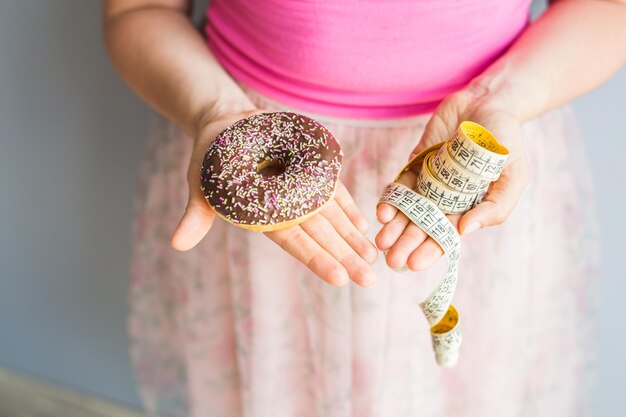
471 228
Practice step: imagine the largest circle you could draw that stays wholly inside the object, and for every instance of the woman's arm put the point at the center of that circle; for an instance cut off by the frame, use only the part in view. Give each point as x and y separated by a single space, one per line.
572 48
575 46
164 59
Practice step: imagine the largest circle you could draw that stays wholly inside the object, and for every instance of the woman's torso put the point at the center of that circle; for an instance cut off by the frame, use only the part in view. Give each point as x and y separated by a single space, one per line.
361 58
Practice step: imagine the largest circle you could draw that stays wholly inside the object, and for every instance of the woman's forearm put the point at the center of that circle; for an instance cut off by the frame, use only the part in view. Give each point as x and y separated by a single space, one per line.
575 46
165 60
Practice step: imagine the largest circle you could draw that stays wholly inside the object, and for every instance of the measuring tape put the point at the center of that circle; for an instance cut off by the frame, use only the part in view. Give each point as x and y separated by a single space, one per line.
454 177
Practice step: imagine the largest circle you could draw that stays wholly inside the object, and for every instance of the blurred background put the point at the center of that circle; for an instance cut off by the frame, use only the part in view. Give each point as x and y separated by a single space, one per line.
71 136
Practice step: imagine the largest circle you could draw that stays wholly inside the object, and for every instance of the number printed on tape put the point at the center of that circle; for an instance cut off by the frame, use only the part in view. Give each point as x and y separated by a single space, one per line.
453 178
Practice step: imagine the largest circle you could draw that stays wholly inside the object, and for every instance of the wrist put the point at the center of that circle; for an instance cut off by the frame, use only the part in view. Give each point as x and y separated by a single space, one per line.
501 88
217 110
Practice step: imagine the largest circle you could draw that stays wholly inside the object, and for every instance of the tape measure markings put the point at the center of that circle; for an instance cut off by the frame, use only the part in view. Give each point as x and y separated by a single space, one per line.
471 156
449 172
481 155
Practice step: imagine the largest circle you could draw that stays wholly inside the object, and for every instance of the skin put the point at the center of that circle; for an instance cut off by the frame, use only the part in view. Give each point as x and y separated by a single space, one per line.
546 67
165 60
159 53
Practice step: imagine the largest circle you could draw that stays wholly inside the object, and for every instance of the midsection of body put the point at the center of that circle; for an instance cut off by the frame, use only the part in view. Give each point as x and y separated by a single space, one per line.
361 58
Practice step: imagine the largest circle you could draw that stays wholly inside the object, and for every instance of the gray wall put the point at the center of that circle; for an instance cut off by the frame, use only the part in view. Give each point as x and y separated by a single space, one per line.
602 116
70 142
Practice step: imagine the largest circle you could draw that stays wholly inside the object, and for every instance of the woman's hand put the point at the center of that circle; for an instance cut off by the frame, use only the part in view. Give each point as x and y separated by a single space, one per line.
330 243
406 243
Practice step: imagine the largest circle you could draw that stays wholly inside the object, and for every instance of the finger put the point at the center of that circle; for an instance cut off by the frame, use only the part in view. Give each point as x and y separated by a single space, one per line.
386 212
425 255
391 232
193 226
497 204
323 232
346 229
301 246
345 201
198 217
410 239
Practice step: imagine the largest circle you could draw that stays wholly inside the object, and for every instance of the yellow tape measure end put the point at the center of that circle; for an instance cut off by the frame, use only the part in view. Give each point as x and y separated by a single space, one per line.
481 136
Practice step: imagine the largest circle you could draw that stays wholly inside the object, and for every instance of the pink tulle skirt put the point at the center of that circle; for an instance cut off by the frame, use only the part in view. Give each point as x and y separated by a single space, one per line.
236 327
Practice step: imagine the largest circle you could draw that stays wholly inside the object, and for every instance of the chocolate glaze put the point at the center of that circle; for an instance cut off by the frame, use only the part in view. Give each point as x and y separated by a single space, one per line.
309 153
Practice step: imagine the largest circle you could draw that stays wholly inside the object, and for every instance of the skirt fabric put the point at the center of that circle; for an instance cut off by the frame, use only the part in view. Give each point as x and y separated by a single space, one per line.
236 327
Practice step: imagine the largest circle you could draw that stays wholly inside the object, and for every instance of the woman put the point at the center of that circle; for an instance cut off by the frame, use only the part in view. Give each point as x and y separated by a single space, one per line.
236 327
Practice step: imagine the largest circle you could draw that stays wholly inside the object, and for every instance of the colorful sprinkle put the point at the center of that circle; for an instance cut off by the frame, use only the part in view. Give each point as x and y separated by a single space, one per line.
310 155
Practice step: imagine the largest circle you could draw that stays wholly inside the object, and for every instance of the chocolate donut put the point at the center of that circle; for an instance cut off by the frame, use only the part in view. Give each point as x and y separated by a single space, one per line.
271 171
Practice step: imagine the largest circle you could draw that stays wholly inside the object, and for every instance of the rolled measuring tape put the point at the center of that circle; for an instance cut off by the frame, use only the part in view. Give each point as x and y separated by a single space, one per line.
453 177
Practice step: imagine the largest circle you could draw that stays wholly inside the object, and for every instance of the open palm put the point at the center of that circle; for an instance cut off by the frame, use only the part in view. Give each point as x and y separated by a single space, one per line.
405 243
330 243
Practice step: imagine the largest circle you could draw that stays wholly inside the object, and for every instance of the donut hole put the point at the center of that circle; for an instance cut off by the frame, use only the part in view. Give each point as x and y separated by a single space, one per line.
271 168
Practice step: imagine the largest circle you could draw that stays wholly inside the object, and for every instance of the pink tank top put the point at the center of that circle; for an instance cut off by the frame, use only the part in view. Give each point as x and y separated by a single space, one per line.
361 58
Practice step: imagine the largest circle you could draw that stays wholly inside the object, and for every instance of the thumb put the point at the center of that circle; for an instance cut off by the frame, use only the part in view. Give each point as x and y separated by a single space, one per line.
198 217
193 226
497 205
485 214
